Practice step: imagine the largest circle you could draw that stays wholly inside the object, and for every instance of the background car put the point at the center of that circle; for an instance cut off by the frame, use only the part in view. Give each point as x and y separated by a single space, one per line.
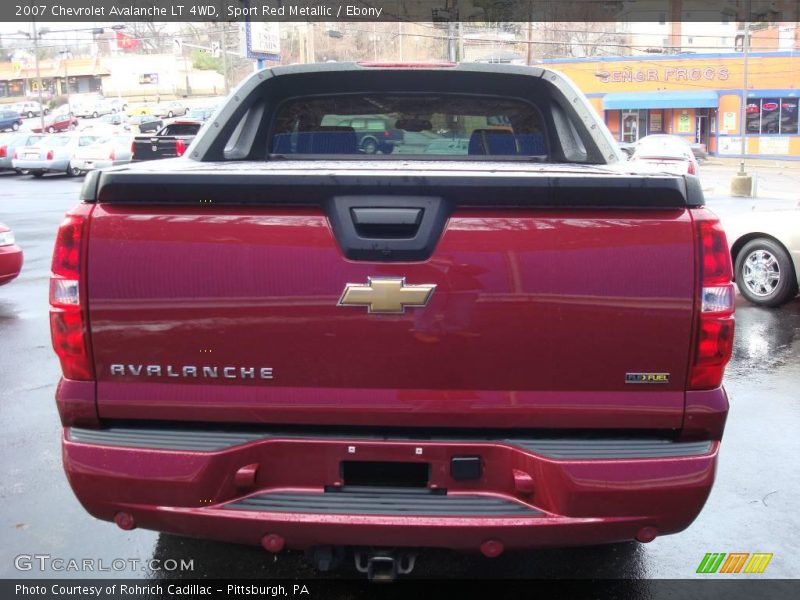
57 122
143 124
105 125
139 108
30 109
765 247
10 119
53 153
665 154
103 153
201 113
374 134
117 104
10 142
10 256
169 109
92 108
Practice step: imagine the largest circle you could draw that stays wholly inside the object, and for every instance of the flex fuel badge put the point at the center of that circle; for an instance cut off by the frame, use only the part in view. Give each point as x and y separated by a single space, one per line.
646 377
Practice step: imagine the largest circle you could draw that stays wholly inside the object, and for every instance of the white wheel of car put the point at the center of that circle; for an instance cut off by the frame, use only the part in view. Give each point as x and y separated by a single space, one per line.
73 171
30 114
51 129
71 127
15 127
764 273
95 115
170 115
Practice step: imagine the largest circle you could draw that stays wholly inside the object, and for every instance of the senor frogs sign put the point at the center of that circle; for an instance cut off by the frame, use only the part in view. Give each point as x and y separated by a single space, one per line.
665 74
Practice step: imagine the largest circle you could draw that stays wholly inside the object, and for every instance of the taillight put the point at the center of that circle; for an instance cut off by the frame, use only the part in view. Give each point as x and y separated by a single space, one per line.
50 155
385 134
15 155
133 147
3 151
112 155
68 318
180 147
715 324
692 169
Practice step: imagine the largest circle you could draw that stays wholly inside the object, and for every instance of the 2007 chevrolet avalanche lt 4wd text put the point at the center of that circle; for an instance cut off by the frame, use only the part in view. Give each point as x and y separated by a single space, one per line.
281 340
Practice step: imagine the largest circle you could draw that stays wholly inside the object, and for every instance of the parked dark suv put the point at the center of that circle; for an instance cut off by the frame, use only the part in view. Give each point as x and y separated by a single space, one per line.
374 134
10 120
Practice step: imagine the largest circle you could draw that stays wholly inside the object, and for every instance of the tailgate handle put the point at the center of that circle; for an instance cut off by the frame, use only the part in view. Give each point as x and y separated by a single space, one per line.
386 223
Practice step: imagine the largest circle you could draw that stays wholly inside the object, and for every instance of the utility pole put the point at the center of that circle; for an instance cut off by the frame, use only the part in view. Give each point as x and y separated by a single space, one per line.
224 47
743 107
38 73
529 58
742 183
400 40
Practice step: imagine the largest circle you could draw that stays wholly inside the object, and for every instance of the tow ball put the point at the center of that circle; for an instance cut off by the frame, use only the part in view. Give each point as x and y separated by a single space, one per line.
384 565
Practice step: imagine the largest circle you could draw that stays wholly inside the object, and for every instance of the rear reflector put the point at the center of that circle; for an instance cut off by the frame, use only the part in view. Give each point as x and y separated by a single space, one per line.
68 318
715 325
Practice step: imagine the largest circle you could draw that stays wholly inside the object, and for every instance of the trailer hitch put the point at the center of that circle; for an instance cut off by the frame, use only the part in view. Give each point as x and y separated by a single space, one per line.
384 565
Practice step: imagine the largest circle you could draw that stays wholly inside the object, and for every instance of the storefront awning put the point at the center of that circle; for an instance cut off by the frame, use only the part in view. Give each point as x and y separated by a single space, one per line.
660 100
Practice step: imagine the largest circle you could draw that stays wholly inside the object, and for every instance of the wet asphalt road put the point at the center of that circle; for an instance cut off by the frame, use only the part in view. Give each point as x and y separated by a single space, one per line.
752 508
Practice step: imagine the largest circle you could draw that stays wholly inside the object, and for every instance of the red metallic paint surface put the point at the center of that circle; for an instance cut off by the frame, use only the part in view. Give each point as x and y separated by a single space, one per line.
537 316
585 502
10 262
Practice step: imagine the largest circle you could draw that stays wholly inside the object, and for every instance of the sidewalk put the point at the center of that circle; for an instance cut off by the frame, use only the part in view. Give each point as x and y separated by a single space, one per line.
773 179
760 163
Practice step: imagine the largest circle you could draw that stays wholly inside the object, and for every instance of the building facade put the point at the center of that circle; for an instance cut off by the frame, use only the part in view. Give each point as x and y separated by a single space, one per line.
698 97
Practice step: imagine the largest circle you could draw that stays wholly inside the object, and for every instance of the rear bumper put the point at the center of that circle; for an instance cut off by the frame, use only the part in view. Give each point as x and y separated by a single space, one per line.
10 263
531 492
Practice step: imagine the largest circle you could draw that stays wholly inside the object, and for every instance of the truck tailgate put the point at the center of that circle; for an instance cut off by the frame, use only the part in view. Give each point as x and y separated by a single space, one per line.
226 313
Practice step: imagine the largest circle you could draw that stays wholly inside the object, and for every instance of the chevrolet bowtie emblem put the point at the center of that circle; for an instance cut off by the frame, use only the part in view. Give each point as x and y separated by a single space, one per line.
386 295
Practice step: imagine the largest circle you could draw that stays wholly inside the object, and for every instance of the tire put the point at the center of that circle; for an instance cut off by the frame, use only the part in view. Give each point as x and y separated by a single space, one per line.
15 127
369 146
71 127
30 115
765 274
95 115
170 115
73 171
51 129
18 171
37 174
46 110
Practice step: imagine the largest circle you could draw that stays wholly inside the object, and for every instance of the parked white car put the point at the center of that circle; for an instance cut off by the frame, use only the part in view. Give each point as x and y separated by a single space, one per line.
51 154
765 246
103 153
664 154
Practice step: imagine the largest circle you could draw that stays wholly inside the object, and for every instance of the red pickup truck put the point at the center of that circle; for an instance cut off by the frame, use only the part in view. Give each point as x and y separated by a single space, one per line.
279 339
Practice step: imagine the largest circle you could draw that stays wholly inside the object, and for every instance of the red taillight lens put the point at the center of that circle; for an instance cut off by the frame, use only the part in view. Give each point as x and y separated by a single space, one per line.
133 148
692 169
68 319
3 151
15 155
180 147
715 326
50 155
112 155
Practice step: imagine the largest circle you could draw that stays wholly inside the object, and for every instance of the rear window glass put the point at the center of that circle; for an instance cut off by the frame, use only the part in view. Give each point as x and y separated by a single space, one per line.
59 140
181 129
432 126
